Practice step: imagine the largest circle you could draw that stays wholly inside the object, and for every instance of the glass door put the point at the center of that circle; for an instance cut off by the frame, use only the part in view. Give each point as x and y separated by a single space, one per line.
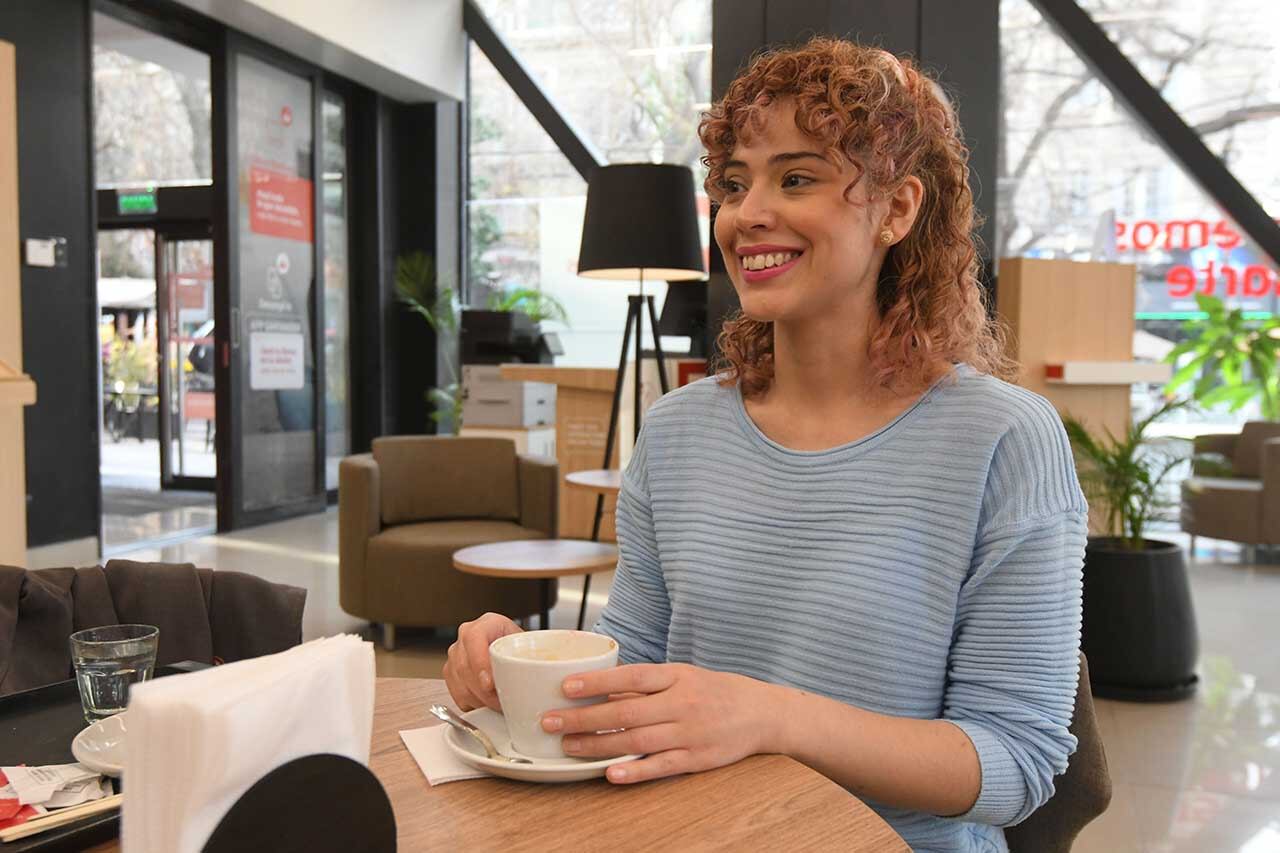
188 398
273 360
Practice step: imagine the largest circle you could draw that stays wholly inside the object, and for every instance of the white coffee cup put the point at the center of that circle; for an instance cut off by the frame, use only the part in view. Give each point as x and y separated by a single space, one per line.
528 670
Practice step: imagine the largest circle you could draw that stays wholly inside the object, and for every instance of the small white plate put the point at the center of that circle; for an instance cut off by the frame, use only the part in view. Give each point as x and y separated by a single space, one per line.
100 747
469 750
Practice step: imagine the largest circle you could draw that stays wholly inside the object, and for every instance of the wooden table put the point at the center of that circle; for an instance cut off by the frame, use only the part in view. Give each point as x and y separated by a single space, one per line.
765 802
544 559
601 481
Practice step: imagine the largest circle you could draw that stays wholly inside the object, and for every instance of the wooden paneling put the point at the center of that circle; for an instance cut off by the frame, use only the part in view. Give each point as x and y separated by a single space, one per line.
583 397
16 390
1061 311
10 304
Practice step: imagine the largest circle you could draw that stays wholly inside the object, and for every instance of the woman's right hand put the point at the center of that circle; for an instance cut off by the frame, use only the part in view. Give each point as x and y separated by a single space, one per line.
467 672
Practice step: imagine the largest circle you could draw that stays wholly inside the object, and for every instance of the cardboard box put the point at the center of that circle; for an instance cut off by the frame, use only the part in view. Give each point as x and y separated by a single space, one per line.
490 401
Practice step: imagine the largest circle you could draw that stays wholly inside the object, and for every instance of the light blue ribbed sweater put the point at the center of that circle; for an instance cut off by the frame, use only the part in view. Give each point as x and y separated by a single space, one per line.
930 570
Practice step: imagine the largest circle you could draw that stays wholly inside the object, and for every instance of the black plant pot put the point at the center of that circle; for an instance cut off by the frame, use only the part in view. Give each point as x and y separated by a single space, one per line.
1139 631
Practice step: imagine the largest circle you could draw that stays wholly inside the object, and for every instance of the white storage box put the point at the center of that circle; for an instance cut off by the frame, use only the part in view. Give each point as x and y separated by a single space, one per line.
488 400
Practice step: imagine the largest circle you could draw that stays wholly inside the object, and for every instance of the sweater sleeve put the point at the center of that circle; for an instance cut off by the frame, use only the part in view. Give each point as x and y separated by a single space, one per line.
638 614
1014 664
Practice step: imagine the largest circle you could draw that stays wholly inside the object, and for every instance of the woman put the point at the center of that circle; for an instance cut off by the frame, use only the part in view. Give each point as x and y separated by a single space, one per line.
857 546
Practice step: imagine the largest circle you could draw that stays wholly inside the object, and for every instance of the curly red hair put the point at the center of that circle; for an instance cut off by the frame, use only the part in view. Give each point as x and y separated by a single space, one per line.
891 121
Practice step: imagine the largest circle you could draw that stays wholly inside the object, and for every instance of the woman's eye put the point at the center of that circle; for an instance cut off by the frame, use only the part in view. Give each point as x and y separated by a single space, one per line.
793 181
730 186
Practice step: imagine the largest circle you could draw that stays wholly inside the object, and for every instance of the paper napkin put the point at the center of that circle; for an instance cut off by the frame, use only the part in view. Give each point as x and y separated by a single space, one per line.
197 741
436 761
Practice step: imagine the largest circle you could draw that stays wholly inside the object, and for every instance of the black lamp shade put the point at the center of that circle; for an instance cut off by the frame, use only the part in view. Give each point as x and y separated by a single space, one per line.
641 216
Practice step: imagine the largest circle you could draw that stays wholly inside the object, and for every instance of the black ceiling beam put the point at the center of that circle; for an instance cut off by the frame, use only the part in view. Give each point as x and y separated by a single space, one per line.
581 154
1182 143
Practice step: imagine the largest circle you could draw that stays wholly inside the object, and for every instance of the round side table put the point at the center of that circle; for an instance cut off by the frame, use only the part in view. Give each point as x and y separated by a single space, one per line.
604 482
540 559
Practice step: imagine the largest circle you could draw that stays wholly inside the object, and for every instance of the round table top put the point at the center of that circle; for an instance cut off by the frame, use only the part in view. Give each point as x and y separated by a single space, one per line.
536 558
605 481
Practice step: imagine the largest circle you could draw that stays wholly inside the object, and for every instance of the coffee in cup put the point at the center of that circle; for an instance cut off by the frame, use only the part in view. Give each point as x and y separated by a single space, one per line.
528 669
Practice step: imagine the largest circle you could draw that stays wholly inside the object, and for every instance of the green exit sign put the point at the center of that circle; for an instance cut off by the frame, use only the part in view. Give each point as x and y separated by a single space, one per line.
135 202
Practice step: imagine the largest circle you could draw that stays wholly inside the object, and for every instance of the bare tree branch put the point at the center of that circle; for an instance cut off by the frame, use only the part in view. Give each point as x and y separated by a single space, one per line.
1240 115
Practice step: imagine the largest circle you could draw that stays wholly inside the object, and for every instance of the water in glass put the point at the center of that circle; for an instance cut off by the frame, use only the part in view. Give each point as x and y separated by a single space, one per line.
107 662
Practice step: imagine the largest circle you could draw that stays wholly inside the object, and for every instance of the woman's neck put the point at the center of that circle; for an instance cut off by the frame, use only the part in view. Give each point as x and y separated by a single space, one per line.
824 362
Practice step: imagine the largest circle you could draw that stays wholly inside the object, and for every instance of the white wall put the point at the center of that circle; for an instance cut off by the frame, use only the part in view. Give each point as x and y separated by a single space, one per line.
411 50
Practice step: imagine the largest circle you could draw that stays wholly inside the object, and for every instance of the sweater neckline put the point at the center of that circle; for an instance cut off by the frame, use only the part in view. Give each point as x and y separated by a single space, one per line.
867 441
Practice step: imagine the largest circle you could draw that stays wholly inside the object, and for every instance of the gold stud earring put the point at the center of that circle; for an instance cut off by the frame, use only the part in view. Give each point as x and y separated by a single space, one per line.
886 236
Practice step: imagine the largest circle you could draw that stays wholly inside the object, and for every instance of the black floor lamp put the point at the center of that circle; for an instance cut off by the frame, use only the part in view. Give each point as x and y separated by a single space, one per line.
641 222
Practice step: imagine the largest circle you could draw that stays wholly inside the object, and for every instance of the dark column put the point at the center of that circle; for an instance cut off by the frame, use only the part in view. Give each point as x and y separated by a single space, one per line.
960 43
409 344
59 304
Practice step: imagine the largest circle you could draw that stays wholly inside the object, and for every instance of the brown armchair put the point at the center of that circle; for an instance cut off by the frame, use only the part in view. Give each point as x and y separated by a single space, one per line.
1234 492
405 508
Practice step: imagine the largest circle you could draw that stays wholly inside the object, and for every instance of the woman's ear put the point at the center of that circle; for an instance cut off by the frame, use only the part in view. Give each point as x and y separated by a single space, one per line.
904 207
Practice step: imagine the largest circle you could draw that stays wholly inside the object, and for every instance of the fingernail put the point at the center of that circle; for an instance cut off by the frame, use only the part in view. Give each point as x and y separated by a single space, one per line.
485 679
572 686
616 774
570 744
552 724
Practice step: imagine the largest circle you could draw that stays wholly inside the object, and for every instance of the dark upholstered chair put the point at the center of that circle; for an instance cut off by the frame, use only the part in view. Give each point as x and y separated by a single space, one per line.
1234 492
203 615
405 508
1080 794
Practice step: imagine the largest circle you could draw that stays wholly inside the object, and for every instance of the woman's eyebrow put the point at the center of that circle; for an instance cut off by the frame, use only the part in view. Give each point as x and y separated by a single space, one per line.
784 157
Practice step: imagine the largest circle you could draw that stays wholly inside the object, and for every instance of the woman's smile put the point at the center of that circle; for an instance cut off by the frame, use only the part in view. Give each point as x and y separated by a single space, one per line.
765 261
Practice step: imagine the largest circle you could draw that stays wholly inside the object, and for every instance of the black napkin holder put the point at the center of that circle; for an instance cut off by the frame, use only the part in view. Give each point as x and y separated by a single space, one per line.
314 804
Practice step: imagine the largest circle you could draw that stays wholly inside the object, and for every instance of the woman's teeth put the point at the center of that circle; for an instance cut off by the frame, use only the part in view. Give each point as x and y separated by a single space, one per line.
770 259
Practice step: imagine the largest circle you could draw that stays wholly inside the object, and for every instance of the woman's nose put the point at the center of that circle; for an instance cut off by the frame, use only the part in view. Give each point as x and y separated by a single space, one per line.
756 210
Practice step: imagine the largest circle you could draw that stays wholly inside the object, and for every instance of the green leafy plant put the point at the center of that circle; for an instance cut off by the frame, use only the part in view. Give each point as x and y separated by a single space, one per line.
1233 359
538 304
1122 477
417 287
129 367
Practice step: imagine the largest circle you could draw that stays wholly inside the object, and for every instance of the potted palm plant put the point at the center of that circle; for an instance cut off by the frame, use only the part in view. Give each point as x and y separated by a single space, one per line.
1139 630
417 287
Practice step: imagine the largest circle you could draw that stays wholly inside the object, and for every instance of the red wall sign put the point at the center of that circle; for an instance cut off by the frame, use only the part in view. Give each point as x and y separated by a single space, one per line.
279 205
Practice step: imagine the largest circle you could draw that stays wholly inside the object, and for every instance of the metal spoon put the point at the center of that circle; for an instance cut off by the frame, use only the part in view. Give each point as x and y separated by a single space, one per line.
464 725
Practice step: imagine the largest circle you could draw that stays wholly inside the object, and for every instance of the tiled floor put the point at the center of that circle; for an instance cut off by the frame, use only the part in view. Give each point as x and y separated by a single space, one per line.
1199 776
135 509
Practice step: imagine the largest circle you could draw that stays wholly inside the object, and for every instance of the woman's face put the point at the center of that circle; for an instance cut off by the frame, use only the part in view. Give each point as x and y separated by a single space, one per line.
795 245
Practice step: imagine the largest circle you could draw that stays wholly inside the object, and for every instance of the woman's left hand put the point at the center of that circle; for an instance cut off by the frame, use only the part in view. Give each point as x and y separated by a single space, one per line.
682 718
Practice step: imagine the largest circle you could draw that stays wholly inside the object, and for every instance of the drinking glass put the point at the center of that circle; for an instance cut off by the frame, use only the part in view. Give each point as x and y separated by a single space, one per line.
107 661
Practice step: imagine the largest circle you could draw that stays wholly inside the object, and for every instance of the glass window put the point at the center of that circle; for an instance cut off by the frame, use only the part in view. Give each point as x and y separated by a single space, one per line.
152 109
337 361
1081 178
632 78
1218 75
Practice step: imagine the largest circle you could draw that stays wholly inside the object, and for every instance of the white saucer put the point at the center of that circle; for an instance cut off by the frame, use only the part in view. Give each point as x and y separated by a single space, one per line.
469 750
100 746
